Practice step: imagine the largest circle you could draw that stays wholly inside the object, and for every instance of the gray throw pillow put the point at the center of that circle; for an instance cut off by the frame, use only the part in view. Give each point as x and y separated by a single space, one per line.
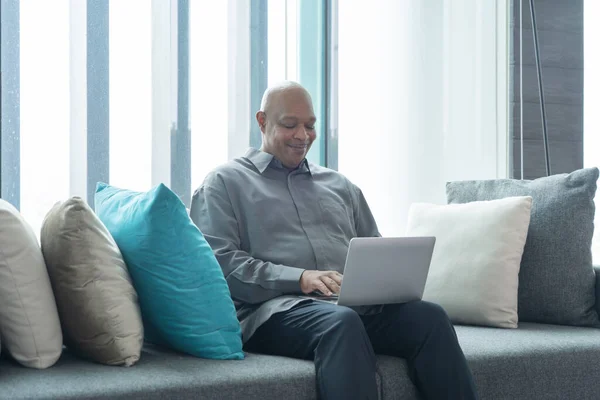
556 279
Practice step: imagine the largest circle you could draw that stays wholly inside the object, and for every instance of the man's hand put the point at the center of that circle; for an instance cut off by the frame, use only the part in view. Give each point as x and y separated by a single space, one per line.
327 282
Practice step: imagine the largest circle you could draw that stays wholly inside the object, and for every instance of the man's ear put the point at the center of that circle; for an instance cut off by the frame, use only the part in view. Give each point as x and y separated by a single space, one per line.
261 118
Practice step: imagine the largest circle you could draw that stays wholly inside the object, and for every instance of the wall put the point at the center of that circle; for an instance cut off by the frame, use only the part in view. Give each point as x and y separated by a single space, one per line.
560 36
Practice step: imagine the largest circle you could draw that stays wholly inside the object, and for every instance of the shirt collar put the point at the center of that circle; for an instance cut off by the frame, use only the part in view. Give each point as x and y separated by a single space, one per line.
262 160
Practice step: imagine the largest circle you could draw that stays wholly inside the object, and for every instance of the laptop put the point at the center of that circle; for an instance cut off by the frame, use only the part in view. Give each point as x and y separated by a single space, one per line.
383 271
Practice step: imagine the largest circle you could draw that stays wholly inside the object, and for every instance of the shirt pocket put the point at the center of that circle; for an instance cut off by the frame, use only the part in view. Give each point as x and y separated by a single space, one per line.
337 220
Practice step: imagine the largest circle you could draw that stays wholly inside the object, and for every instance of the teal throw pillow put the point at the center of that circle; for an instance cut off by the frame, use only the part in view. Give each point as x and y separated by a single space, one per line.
184 298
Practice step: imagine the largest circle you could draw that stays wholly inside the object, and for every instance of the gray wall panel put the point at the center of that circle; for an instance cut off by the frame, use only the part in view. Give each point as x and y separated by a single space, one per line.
561 85
552 15
557 49
566 121
565 156
560 35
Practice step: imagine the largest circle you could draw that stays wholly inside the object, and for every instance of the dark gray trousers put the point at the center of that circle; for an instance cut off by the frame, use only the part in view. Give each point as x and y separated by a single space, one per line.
343 345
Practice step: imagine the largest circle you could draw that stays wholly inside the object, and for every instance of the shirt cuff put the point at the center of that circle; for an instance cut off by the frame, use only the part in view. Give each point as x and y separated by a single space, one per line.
289 280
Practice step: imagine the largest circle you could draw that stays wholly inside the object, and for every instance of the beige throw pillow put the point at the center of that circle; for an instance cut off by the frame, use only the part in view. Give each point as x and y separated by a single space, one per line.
96 301
474 272
29 323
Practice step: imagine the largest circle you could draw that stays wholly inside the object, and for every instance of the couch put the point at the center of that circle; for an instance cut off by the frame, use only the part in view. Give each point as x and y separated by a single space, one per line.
535 361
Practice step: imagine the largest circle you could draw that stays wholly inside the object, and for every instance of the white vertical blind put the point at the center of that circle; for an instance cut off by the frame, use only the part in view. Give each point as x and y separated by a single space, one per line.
276 42
208 86
422 99
130 91
291 33
45 121
591 124
282 41
78 97
164 78
238 75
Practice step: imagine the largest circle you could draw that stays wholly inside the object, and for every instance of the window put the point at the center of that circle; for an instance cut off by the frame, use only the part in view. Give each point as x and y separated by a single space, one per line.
139 92
294 39
591 124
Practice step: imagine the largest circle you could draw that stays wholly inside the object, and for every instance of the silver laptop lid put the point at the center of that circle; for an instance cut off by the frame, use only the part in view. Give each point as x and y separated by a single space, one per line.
386 270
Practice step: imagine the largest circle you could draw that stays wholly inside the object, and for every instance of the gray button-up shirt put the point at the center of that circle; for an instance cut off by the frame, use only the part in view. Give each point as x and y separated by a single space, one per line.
267 224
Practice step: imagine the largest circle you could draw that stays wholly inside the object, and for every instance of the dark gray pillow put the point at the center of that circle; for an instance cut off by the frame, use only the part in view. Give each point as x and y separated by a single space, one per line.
556 279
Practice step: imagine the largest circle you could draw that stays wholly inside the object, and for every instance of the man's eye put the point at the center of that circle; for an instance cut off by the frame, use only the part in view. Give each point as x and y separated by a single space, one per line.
289 126
310 128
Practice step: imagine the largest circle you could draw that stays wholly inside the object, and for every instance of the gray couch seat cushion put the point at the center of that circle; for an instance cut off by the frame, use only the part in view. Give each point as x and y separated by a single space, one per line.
534 361
162 375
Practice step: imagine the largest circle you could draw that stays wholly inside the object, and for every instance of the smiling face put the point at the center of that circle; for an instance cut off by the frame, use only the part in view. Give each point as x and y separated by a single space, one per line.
287 122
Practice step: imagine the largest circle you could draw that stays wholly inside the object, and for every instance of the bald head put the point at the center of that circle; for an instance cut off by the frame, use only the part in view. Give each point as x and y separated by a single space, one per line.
286 120
274 94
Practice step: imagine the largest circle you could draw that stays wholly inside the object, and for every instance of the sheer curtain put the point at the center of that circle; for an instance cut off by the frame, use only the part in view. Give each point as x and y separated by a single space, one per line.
422 99
591 141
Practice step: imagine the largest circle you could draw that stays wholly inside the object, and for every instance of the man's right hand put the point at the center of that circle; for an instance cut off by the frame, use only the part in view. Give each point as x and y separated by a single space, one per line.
327 282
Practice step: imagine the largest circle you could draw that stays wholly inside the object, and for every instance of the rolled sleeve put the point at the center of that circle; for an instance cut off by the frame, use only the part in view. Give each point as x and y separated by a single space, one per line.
289 279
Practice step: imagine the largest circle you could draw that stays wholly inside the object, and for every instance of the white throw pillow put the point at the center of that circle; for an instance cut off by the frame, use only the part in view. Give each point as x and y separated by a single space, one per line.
474 272
29 322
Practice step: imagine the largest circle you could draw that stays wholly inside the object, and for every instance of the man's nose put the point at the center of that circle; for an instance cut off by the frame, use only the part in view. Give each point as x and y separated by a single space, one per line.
302 133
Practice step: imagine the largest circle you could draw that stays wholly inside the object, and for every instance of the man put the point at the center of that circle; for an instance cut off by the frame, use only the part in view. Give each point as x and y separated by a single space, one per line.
280 227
